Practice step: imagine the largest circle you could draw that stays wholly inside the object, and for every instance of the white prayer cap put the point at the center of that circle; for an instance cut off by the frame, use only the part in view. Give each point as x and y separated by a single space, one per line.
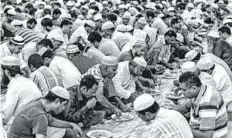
143 102
142 20
122 6
40 3
121 27
98 17
47 7
171 9
107 25
105 2
135 2
109 60
188 66
205 64
16 23
65 15
85 7
11 12
126 15
55 34
190 5
189 56
227 21
78 4
129 28
92 1
140 61
42 51
214 34
61 92
140 43
10 61
17 40
90 23
70 4
72 49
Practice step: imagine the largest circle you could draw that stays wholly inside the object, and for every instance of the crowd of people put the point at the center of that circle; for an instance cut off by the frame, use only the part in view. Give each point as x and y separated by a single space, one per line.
67 65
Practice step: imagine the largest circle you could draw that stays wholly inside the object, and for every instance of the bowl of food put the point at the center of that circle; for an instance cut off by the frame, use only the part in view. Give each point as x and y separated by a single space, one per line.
99 134
123 118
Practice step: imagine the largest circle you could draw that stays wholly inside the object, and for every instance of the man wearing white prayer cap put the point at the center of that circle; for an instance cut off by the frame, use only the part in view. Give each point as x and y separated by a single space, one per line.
149 111
40 112
126 18
220 76
141 23
104 72
108 29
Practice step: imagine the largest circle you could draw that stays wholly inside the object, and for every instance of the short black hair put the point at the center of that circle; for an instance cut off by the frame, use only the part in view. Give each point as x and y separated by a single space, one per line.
45 43
32 20
13 70
36 61
150 14
46 22
47 11
56 11
112 17
174 21
190 79
47 54
170 33
73 15
57 4
88 81
225 29
65 23
80 46
94 37
29 6
152 109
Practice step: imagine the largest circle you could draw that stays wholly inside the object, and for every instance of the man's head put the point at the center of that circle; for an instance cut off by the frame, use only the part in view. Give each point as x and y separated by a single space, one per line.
47 55
149 16
206 65
141 23
175 23
109 66
94 38
108 28
35 61
18 25
139 49
146 107
224 32
10 66
10 15
170 36
88 86
16 44
44 43
89 26
56 14
57 98
73 50
47 24
190 84
126 18
137 66
31 23
66 26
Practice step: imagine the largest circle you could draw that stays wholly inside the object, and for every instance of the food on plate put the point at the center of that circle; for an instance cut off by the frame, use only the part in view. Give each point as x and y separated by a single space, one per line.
99 134
123 117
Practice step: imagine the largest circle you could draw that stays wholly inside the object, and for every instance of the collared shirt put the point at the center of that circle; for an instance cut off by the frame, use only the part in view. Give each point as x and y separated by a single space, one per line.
124 82
208 112
168 124
20 91
65 68
45 79
108 47
218 61
223 83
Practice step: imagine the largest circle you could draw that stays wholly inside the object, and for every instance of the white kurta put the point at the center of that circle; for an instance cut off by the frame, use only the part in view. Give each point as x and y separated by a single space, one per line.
124 82
65 68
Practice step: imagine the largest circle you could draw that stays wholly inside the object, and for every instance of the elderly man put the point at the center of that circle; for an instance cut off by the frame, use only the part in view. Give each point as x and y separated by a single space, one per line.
208 117
164 123
41 75
34 119
106 93
106 46
61 67
108 29
223 83
127 73
20 90
82 102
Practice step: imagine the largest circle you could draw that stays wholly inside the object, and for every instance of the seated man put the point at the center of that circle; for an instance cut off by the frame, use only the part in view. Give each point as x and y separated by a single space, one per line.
164 123
41 75
208 117
106 93
34 119
127 73
81 104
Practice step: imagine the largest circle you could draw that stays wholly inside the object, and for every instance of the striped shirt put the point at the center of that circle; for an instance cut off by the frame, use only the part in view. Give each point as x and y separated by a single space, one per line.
28 35
208 112
168 124
45 79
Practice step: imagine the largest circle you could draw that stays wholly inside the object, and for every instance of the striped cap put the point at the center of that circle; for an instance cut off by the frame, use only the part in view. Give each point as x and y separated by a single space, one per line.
61 92
109 60
205 64
72 49
17 40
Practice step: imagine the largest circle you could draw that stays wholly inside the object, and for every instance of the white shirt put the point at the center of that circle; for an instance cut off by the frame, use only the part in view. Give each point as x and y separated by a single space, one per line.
207 79
108 47
80 32
124 82
223 83
65 68
229 40
20 91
